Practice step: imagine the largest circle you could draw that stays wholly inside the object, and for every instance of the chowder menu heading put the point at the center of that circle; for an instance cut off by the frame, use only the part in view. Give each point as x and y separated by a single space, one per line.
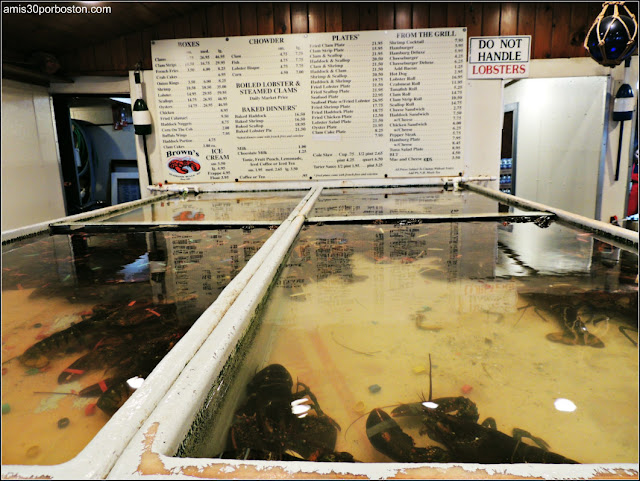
311 106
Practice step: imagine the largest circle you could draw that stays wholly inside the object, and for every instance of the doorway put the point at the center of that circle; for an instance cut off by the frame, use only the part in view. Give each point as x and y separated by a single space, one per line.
96 139
508 149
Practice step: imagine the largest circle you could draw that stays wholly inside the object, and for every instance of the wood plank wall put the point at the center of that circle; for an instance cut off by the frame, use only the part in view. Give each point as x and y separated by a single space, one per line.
557 29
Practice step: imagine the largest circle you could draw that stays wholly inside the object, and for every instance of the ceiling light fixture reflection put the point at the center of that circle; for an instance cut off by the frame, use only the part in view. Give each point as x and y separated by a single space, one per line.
135 382
564 405
300 409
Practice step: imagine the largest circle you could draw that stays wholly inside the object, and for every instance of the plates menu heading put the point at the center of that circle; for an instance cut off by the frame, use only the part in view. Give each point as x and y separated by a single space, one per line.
311 106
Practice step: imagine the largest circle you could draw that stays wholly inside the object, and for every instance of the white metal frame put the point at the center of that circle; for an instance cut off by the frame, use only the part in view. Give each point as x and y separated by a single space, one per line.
147 430
97 458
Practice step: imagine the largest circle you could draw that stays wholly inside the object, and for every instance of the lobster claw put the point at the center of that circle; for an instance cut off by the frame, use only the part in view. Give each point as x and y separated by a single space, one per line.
386 435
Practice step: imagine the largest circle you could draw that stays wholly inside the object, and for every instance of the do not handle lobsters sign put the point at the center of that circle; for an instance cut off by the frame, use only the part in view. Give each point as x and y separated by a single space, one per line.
499 57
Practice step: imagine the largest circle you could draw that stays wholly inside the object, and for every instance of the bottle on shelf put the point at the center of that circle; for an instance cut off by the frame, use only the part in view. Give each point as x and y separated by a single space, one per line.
141 115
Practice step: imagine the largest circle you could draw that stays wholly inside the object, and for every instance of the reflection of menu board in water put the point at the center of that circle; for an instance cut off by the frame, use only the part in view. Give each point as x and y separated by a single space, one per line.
320 106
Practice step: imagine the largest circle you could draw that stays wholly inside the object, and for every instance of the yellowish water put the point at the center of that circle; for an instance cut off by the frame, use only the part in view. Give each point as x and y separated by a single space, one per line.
373 319
30 429
515 373
55 282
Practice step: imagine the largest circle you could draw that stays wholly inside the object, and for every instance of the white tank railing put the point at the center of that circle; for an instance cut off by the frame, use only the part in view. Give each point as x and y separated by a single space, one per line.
97 458
42 227
595 226
153 421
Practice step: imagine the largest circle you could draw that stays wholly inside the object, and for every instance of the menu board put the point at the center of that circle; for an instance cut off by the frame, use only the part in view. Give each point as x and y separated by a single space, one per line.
311 106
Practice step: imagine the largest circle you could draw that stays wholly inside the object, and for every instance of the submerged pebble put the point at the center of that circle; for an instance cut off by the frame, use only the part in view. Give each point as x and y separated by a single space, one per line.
466 389
33 451
374 388
419 369
6 408
359 407
63 423
31 371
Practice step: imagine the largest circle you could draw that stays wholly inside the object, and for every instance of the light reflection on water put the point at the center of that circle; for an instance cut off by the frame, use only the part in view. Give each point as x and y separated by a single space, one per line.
123 300
359 309
215 207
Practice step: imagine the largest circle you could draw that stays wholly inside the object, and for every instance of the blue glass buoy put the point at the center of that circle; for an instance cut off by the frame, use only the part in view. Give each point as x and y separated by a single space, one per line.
613 38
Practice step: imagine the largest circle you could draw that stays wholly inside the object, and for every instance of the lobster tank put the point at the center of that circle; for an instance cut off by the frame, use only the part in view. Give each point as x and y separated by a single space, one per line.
91 309
413 296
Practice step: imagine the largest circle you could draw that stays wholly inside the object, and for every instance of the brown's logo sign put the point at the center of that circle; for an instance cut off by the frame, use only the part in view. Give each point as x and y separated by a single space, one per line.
184 165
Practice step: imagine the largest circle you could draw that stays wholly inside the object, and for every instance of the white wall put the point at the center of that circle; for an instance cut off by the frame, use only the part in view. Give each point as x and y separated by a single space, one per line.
560 129
483 128
613 195
31 178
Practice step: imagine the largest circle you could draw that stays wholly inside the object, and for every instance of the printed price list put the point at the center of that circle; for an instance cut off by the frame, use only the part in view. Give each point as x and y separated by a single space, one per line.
330 105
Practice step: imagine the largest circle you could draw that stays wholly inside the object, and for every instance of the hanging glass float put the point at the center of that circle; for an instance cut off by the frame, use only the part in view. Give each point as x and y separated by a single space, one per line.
612 38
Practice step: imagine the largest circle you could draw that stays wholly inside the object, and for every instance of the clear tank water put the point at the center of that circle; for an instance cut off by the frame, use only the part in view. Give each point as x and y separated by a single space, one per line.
104 308
215 207
358 309
355 306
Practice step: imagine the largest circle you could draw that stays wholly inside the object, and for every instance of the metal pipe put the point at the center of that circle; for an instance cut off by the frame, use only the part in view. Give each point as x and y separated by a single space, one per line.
328 184
426 218
35 229
115 227
194 382
591 225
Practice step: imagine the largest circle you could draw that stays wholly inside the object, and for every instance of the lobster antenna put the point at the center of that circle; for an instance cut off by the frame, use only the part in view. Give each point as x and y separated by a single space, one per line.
14 357
430 382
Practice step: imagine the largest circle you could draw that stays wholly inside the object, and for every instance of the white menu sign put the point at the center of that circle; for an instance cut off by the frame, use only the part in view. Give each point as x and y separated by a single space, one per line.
311 106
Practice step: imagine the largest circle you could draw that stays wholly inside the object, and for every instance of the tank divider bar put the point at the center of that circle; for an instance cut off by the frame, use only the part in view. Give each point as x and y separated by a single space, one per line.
431 218
106 447
42 227
195 380
609 231
115 227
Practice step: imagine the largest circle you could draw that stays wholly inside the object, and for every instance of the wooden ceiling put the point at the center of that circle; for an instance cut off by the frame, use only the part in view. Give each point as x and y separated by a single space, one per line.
57 34
113 43
28 35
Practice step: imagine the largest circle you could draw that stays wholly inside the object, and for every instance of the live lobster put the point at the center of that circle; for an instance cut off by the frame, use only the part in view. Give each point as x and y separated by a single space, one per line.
276 424
465 440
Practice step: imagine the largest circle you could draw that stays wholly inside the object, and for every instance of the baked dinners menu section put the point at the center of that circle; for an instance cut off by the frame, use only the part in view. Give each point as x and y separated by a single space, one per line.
311 106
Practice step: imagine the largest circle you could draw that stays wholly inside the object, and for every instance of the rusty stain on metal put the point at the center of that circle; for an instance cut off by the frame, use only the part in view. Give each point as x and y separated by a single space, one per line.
153 464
